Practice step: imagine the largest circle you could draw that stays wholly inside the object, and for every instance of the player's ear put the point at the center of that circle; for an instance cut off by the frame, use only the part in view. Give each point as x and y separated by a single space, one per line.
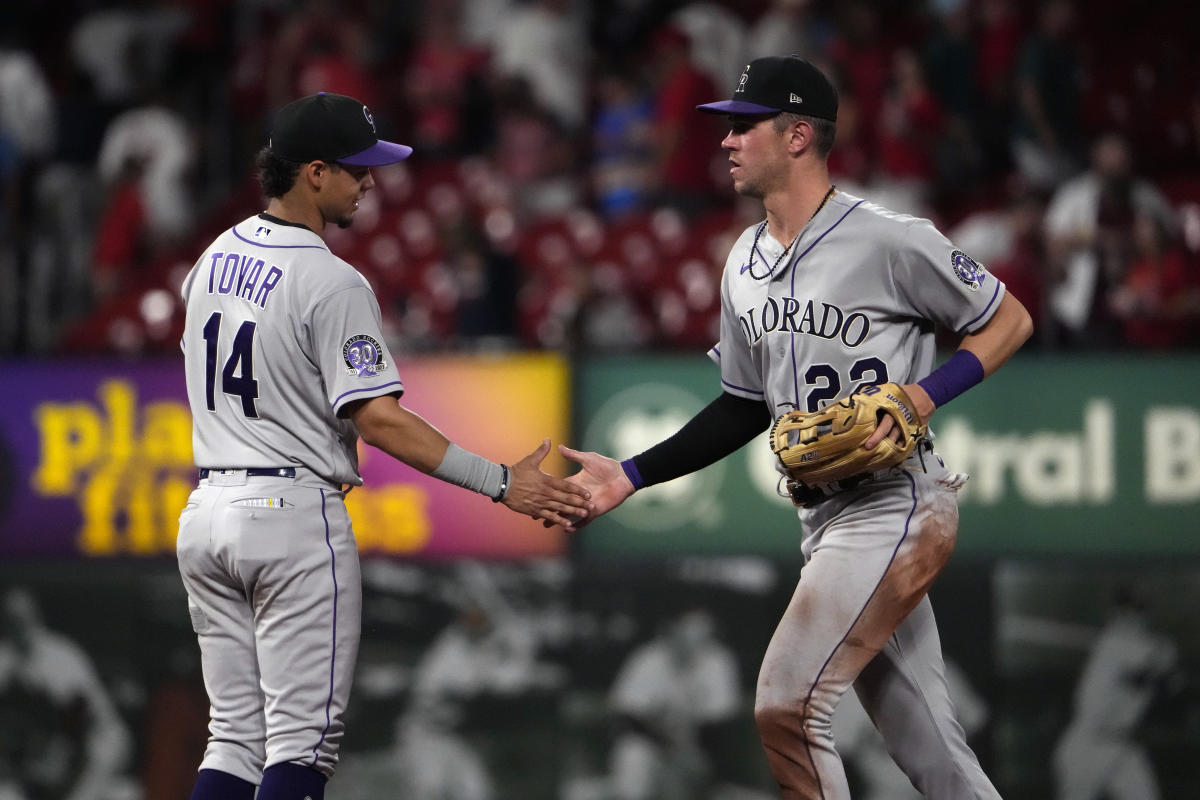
315 172
800 136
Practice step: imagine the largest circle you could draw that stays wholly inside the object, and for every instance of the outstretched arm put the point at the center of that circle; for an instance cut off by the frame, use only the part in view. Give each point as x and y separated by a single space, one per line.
720 428
384 423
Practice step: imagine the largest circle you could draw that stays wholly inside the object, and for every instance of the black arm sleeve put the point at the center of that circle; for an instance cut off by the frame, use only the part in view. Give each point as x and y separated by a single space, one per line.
717 430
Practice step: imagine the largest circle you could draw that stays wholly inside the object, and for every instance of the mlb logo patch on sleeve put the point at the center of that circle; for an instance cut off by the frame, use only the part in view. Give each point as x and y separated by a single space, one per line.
363 356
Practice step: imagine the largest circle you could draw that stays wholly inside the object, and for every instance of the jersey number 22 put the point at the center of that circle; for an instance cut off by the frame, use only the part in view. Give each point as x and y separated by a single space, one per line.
828 383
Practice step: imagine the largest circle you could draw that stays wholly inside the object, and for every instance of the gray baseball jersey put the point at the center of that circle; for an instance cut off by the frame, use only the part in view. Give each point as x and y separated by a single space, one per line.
851 304
856 301
282 334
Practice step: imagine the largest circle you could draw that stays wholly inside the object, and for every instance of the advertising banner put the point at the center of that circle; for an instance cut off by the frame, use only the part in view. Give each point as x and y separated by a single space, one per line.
96 458
1066 456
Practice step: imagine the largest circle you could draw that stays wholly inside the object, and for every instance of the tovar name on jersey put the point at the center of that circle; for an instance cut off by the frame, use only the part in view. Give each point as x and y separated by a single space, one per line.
812 318
242 276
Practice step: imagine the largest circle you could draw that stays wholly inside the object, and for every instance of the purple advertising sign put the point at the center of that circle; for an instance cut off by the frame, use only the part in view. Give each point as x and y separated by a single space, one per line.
96 459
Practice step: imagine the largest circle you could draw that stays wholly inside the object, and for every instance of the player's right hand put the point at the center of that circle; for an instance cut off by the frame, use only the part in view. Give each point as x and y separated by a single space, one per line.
603 477
554 501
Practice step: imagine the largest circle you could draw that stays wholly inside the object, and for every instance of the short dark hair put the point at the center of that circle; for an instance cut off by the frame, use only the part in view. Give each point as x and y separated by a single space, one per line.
276 174
825 129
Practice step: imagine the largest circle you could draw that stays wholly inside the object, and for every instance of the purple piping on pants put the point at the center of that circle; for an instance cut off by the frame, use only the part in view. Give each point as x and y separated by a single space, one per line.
808 697
333 648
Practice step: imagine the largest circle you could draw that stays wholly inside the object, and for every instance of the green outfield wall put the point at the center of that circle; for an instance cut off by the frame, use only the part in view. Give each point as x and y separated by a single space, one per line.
1066 456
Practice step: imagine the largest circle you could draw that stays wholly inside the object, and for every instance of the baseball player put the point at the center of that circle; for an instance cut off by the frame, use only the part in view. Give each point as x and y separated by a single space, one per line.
61 735
287 366
1098 755
668 691
828 293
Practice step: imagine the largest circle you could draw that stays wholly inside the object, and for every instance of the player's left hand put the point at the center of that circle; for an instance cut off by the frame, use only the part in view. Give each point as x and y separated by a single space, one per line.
542 496
887 426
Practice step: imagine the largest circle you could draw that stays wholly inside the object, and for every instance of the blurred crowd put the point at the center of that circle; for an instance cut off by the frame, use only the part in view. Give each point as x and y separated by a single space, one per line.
564 193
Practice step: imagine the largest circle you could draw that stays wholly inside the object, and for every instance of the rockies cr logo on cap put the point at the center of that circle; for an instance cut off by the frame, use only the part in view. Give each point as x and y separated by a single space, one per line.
370 119
741 87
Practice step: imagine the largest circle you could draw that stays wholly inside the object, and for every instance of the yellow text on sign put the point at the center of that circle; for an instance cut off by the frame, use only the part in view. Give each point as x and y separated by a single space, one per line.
129 467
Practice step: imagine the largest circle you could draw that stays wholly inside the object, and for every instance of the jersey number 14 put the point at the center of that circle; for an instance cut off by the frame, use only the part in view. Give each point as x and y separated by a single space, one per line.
237 376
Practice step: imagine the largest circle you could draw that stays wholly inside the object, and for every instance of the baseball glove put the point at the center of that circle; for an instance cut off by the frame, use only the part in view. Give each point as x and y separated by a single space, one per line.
826 445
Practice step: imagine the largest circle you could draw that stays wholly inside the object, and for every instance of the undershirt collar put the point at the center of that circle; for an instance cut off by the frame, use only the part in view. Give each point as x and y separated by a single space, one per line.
276 220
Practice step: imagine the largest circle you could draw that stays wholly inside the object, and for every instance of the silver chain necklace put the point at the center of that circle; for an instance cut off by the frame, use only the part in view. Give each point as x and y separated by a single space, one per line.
763 226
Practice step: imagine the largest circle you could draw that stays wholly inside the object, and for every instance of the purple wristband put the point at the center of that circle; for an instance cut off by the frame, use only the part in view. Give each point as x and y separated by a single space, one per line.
631 472
951 379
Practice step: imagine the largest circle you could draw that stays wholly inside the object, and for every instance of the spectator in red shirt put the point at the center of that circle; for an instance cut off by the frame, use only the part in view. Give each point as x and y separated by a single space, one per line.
120 250
912 123
438 82
684 145
320 48
1158 298
851 162
997 39
862 55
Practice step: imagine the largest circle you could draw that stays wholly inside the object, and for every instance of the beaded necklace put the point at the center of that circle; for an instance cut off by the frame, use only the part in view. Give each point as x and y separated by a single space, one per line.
786 250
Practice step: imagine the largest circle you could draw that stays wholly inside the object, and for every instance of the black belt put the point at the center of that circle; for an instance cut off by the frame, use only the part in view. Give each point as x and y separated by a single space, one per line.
809 496
254 472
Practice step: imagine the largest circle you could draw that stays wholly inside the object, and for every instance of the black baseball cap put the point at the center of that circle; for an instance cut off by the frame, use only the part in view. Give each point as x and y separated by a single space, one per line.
780 83
332 127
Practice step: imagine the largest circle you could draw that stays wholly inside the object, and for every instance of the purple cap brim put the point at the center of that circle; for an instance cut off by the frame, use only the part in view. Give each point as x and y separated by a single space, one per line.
736 107
379 154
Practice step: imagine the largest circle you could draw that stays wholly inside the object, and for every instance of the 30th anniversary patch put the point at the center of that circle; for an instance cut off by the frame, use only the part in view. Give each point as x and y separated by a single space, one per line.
968 270
363 356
